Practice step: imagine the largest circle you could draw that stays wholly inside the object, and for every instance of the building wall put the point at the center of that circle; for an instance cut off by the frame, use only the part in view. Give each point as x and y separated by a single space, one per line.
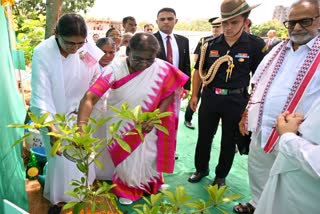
280 13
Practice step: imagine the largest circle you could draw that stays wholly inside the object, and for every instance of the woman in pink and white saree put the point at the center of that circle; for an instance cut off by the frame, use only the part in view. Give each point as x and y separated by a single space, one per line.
140 79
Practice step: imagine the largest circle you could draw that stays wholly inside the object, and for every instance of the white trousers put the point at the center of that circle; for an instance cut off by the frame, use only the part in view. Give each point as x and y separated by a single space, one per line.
259 165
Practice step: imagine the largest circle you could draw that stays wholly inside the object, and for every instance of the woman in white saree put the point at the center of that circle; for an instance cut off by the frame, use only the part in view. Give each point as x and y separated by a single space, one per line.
63 66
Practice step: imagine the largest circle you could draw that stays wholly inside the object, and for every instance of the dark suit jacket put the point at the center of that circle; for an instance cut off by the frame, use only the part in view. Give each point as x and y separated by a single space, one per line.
274 42
184 54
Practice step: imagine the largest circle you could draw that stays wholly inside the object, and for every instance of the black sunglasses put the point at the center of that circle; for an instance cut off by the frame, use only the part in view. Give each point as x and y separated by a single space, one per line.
290 24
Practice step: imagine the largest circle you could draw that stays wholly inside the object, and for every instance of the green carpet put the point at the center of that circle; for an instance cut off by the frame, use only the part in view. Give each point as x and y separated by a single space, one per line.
237 180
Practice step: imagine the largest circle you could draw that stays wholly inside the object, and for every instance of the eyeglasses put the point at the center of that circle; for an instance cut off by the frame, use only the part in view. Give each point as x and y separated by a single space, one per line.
71 44
167 18
290 24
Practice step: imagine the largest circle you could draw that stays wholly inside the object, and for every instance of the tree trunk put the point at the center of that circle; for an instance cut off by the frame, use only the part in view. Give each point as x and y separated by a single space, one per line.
53 8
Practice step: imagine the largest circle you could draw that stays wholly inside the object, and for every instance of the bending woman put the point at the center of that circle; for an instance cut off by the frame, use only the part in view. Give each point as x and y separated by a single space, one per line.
140 79
63 66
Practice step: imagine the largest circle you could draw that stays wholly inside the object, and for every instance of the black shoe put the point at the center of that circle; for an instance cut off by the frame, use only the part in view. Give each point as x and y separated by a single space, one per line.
188 124
197 176
176 156
220 181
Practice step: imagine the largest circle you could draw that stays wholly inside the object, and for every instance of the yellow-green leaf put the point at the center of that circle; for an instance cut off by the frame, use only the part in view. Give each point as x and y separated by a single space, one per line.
124 145
161 128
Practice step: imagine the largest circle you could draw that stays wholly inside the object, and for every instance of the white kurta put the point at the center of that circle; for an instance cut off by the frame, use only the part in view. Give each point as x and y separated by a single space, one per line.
58 84
260 163
294 182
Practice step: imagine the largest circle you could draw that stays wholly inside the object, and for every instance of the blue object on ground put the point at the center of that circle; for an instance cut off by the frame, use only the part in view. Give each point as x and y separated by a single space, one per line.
40 154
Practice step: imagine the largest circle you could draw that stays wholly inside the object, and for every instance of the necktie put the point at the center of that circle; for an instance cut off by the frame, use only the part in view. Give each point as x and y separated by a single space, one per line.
169 50
269 42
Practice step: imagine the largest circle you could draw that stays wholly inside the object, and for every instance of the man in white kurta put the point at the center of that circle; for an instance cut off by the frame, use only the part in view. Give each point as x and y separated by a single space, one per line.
294 182
272 90
58 84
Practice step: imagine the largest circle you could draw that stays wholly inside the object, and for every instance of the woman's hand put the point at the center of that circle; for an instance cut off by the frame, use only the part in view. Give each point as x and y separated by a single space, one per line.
288 122
147 126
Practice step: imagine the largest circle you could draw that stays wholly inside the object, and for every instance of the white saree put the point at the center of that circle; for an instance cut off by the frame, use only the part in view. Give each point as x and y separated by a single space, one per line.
58 84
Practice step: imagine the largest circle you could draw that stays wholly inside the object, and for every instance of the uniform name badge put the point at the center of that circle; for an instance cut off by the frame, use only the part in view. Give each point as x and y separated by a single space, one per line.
221 91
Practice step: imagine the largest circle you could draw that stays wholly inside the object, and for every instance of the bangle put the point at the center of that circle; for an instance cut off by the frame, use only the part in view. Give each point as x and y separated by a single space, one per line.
83 121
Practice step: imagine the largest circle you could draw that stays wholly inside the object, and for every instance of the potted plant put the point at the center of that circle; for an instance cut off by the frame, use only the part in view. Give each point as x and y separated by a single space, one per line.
83 148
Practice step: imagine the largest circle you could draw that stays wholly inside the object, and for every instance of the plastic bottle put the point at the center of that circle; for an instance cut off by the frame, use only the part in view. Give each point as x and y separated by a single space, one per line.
32 167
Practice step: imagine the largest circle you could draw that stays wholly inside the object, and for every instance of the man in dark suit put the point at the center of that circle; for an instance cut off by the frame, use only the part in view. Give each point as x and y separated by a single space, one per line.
166 20
272 40
174 48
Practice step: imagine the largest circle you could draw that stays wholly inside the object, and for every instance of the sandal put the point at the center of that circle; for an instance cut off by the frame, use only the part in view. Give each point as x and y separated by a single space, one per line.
245 208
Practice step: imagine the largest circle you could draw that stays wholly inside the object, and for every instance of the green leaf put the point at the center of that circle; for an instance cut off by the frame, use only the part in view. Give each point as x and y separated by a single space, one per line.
124 145
117 126
98 163
55 147
33 117
221 191
155 198
200 204
69 205
231 197
138 211
164 114
16 125
137 111
43 117
169 195
71 193
114 109
21 139
155 209
161 128
78 207
81 167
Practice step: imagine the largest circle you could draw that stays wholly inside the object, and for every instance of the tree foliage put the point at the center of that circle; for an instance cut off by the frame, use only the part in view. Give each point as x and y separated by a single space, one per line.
33 8
29 35
262 29
194 25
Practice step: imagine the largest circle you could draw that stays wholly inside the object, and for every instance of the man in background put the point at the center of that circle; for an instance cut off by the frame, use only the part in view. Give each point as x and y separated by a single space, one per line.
174 48
95 37
272 40
148 28
129 24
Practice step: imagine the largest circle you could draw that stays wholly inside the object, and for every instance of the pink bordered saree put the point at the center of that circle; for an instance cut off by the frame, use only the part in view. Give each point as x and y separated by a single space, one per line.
141 170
